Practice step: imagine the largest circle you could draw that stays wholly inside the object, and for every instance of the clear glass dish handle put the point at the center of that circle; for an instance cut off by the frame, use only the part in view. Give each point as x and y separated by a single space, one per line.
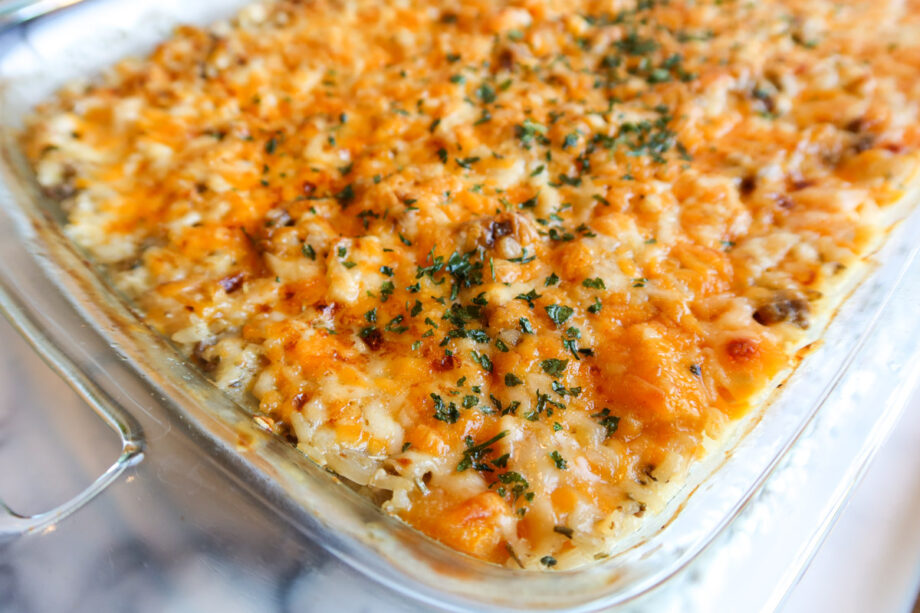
14 12
13 524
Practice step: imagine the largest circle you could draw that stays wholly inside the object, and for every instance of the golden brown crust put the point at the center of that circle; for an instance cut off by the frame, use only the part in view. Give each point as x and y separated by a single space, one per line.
515 262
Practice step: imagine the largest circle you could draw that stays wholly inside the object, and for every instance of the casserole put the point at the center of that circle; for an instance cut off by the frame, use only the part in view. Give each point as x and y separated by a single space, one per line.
547 589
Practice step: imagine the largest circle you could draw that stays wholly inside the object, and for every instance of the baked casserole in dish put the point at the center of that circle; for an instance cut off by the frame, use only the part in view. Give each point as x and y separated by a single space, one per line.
509 268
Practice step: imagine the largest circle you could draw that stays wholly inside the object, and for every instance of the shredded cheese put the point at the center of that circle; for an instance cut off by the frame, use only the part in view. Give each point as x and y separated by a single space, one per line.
516 262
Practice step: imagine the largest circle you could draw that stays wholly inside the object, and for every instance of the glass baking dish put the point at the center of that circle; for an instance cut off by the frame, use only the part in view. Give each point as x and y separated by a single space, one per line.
58 299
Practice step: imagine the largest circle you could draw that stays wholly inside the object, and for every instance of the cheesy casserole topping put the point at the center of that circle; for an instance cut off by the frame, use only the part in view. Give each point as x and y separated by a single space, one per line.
513 265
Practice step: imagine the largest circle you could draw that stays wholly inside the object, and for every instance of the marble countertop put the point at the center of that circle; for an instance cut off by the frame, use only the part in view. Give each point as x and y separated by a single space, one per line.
871 559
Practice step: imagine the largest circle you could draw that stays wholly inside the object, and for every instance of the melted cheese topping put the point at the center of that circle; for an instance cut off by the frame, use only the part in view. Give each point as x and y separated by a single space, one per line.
515 262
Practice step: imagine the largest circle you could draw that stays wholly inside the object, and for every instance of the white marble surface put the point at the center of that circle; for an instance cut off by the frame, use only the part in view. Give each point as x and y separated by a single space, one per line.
871 559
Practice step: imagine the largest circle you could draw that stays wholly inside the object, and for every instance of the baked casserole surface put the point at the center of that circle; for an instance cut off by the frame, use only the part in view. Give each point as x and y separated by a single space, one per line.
515 266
